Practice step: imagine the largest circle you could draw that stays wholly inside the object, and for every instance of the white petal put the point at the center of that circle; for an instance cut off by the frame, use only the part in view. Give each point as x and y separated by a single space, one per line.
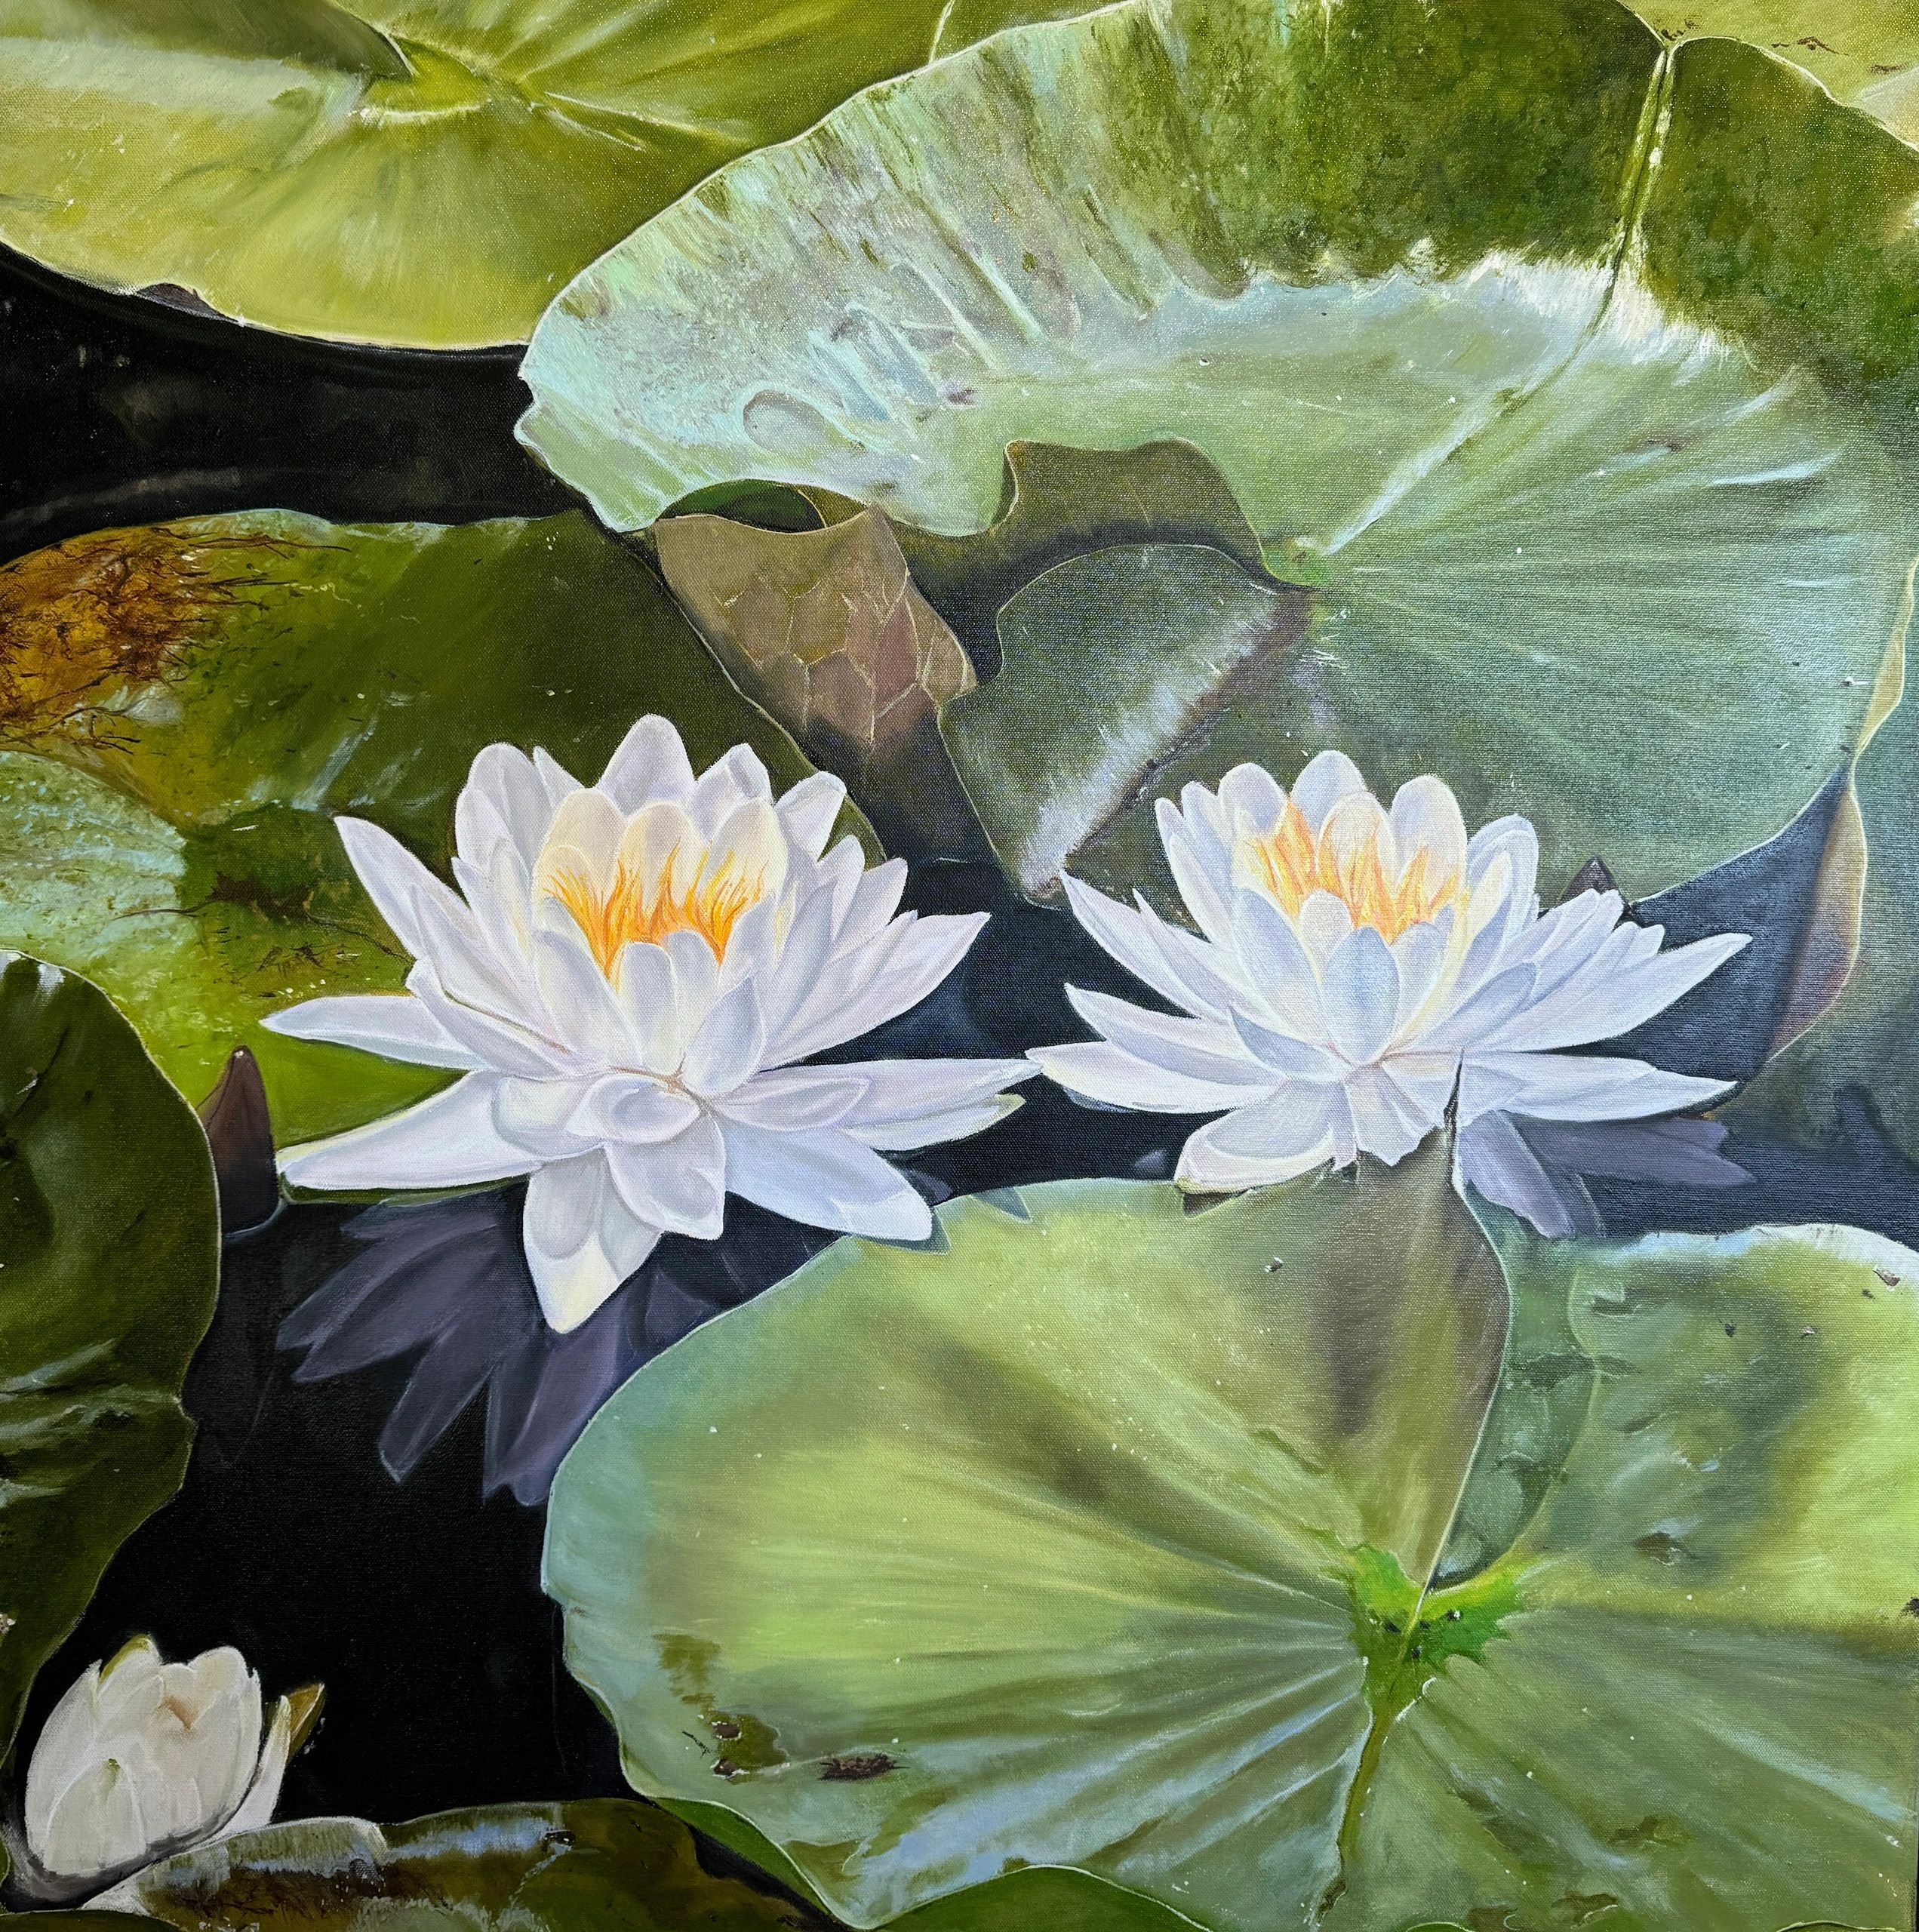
1280 1054
826 1179
1098 1072
500 1044
583 1008
256 1809
1421 953
1361 995
790 1098
728 1047
95 1825
1425 817
678 1185
806 812
1478 1018
1513 840
560 784
1577 1013
501 897
392 1024
1578 1087
1201 1049
64 1752
873 900
736 779
392 878
1323 921
503 797
1387 1122
627 1106
1205 884
924 951
920 1103
1278 967
649 1004
1257 1146
1251 800
448 1141
1327 778
1128 936
538 1116
582 843
650 764
581 1240
696 980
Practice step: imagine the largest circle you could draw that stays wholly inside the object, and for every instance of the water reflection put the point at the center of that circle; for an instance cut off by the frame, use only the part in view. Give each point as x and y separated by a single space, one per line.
446 1281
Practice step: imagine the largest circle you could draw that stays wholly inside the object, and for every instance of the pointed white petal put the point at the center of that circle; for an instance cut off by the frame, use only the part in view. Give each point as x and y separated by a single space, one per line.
1200 1049
792 1098
1323 921
392 878
1101 1072
1577 1013
560 784
1280 1054
678 1185
872 900
1361 995
256 1808
826 1179
1206 887
1478 1018
584 1009
539 1115
736 779
1578 1087
651 764
1387 1121
920 1103
392 1024
1128 936
649 1005
448 1141
1278 967
491 1042
581 1240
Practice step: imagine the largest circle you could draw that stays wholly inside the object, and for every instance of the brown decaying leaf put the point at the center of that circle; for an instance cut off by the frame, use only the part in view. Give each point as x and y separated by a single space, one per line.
825 630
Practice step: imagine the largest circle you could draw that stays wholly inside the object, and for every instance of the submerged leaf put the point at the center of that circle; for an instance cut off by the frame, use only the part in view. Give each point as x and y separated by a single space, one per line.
109 1251
826 630
185 708
1256 1562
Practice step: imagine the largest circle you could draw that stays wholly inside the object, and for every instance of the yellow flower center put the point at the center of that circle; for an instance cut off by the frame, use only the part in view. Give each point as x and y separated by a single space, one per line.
634 906
1352 856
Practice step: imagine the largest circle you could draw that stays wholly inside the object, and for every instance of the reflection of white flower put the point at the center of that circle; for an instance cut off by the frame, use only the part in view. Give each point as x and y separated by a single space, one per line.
1358 967
142 1758
627 978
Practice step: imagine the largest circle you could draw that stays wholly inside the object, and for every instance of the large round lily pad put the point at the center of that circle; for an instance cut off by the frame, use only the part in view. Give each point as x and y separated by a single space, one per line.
422 173
1567 528
109 1252
184 708
1300 1562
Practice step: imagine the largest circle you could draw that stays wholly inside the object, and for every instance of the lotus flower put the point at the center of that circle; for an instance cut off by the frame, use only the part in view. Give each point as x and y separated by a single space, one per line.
1357 971
142 1758
629 978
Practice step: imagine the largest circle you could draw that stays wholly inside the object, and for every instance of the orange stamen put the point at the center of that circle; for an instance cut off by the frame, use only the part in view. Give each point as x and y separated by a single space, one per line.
1291 863
634 908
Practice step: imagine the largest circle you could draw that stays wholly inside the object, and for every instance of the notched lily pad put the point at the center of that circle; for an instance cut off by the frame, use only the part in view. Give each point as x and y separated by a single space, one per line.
1222 1585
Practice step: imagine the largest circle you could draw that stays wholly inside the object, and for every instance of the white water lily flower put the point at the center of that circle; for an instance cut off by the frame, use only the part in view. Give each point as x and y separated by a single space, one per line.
142 1758
627 978
1355 968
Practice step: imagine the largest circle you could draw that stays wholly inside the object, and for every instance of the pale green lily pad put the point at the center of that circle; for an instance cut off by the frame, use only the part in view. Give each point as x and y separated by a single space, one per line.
420 173
185 707
1235 1558
109 1254
567 1867
1562 541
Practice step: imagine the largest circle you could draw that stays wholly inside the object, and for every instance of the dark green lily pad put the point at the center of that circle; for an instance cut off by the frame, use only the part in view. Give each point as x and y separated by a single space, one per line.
1306 1560
110 1254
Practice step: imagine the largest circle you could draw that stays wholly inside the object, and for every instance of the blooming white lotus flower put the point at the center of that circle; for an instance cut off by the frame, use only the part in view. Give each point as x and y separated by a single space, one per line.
627 978
142 1758
1357 967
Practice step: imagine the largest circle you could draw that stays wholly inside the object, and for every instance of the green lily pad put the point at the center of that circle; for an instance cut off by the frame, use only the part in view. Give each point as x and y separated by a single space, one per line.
421 172
1421 286
602 1862
184 708
1310 1560
109 1254
1866 51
